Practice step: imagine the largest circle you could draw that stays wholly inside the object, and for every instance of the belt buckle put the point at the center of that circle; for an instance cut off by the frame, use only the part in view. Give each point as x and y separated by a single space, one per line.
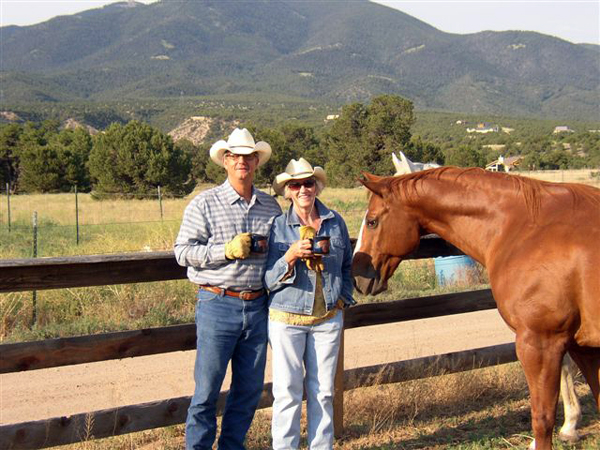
246 295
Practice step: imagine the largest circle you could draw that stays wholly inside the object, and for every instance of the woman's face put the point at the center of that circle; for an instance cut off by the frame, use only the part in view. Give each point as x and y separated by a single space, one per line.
303 192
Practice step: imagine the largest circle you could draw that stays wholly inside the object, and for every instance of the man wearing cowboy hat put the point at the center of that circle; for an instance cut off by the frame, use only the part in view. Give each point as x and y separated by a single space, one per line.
231 310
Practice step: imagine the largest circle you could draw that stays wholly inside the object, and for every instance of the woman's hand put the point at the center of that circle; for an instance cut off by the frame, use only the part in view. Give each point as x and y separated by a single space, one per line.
298 250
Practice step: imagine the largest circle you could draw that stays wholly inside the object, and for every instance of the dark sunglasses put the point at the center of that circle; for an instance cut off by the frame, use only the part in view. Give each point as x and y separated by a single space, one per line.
296 185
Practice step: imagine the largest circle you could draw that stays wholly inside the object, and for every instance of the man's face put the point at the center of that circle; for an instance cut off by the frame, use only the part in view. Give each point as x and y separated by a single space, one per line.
240 167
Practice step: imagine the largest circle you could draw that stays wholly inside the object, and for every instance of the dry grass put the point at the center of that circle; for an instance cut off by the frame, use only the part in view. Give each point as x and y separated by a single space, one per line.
585 176
120 225
480 409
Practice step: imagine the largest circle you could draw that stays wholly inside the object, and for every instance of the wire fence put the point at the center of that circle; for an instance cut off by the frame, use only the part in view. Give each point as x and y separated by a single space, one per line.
73 223
78 224
38 225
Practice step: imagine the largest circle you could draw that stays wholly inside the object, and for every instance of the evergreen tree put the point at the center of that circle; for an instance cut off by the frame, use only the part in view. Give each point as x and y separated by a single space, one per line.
425 152
465 156
9 162
51 160
136 159
198 156
302 142
364 137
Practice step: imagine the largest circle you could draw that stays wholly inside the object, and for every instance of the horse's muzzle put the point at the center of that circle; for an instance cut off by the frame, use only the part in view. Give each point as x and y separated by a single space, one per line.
369 286
365 277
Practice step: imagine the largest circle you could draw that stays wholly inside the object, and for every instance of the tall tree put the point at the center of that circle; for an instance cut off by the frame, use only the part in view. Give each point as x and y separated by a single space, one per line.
364 137
301 141
136 159
45 158
465 156
9 162
425 152
73 148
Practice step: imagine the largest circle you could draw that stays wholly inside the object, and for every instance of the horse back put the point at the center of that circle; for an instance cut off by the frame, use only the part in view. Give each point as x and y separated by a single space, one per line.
546 270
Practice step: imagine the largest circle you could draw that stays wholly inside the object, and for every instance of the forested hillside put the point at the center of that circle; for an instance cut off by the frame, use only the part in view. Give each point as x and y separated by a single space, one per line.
332 51
131 157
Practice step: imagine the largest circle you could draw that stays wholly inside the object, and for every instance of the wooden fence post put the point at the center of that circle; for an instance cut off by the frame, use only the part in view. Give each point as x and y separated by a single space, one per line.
338 395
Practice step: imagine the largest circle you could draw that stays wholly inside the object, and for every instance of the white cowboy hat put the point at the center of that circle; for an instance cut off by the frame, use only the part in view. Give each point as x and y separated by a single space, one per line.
298 170
240 142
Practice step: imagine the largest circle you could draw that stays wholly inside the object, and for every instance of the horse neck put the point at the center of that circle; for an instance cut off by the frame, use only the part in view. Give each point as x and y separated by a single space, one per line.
468 218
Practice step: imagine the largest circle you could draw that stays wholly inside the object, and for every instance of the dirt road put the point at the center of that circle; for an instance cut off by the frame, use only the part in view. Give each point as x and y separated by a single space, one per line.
63 391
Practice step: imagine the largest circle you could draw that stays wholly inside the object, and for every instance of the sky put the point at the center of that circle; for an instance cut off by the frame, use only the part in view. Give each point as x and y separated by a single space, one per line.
577 21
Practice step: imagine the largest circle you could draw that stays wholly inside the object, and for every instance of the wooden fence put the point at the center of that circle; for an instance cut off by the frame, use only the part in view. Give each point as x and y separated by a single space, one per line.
55 273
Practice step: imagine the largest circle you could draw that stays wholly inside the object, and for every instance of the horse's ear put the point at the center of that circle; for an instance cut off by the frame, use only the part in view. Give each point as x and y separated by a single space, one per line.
377 185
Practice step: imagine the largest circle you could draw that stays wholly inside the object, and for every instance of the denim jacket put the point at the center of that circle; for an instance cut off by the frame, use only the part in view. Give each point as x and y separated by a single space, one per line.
296 293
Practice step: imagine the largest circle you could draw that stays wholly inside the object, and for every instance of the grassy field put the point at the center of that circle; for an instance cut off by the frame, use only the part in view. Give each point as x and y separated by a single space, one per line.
109 226
477 410
144 224
585 176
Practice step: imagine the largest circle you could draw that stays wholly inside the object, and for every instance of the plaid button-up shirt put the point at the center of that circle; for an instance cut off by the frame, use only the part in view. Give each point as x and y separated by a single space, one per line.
213 218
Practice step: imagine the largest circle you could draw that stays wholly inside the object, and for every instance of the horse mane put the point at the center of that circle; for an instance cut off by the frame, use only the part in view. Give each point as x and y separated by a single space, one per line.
530 190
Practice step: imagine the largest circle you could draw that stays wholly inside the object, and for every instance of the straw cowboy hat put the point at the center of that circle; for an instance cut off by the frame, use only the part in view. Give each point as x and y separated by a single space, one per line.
298 170
240 142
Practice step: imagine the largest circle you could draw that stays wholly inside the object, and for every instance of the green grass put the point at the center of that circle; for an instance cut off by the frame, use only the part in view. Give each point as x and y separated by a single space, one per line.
70 312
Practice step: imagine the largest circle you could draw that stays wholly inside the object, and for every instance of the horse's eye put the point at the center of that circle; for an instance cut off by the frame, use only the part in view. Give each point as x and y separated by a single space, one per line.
372 223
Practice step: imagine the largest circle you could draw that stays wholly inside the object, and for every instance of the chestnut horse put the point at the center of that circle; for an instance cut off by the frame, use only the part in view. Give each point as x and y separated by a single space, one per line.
540 243
572 408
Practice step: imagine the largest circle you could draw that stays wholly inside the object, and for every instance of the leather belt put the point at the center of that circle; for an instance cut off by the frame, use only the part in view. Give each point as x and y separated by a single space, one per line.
244 295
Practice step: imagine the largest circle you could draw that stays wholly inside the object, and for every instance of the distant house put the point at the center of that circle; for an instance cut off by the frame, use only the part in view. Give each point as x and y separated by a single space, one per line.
484 127
562 129
504 164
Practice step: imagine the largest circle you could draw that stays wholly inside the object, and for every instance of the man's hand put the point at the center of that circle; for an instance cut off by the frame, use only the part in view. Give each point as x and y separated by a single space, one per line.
238 247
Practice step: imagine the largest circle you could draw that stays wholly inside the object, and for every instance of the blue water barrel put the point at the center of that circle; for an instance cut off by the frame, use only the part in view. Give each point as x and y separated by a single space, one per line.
451 270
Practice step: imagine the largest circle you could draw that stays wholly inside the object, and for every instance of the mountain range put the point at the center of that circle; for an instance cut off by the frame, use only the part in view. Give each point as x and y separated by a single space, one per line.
333 51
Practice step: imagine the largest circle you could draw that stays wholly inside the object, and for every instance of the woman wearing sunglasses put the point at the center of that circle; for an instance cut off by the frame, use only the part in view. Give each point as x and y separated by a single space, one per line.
308 276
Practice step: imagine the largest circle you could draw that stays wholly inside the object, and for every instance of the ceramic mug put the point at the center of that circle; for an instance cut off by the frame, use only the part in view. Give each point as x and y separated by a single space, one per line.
258 243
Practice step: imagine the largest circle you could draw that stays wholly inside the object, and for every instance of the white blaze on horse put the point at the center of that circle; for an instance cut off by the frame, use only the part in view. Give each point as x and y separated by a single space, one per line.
540 243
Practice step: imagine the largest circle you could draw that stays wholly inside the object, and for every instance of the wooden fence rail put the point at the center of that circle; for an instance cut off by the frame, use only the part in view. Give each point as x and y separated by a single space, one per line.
129 419
55 273
99 270
100 347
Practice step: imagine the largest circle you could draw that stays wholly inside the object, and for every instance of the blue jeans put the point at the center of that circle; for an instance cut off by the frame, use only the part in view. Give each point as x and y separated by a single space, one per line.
227 329
297 349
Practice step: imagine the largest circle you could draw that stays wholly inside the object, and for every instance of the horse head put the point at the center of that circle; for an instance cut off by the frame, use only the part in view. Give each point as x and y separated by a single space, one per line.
388 233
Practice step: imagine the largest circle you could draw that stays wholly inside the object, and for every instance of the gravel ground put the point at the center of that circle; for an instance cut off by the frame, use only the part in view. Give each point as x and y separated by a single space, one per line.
62 391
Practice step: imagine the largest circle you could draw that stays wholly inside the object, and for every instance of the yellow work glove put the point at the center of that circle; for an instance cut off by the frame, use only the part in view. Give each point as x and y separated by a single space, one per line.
316 262
238 247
